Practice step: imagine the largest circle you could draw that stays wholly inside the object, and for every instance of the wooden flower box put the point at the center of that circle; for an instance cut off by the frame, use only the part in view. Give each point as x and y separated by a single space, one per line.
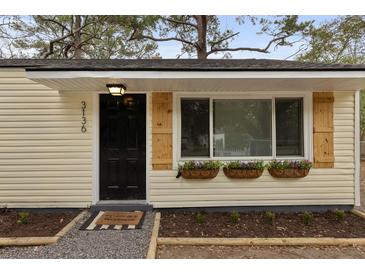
199 173
242 173
289 173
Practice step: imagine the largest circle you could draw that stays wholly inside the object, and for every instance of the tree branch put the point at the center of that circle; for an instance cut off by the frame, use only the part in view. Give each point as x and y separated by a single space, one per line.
180 22
87 40
263 50
55 22
237 49
133 37
301 49
342 49
51 43
223 39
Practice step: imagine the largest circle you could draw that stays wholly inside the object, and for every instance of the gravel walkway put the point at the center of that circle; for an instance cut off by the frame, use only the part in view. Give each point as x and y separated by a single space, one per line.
76 244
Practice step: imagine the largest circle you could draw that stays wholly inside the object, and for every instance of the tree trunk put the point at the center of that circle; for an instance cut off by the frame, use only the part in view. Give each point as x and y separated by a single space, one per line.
77 40
201 47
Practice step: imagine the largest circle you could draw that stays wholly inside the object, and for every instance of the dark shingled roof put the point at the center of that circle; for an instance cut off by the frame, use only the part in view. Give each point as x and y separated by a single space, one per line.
176 65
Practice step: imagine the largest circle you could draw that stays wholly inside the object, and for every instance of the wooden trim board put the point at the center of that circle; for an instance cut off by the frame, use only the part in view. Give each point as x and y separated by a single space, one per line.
26 241
263 241
151 254
358 213
71 224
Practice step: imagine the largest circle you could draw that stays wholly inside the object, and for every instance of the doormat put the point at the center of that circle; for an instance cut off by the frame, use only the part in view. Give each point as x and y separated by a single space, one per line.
114 220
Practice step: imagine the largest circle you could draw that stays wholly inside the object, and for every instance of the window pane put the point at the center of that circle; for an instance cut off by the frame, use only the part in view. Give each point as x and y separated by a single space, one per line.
242 127
194 127
289 126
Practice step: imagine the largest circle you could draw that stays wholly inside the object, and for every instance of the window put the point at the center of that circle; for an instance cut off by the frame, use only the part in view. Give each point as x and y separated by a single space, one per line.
242 128
195 127
289 126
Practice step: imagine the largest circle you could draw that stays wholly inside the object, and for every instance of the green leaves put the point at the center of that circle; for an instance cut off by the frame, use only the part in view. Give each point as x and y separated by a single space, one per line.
340 40
62 36
76 36
259 165
207 165
23 218
286 164
307 217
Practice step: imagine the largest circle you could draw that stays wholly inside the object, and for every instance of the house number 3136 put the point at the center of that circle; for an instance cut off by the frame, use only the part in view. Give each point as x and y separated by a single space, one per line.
83 118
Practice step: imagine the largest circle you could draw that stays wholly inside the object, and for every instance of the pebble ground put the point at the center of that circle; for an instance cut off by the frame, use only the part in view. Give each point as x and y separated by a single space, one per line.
77 244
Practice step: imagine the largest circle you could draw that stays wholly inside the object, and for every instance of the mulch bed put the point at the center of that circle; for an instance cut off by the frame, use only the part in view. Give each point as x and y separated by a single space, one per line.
40 224
256 224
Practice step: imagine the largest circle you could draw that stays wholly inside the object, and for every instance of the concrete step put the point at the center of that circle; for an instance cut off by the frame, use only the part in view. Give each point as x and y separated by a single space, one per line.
121 207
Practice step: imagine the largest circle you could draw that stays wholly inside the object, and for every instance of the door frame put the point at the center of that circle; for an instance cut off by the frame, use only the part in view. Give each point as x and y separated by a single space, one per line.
96 147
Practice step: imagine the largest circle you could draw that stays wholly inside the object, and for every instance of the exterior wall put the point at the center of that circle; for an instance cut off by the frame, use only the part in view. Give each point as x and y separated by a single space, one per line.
323 186
45 160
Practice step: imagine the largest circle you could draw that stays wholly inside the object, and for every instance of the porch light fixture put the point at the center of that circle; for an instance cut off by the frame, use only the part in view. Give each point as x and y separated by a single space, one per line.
116 89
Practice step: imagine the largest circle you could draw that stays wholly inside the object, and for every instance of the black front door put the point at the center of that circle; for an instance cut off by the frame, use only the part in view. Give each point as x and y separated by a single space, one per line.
123 147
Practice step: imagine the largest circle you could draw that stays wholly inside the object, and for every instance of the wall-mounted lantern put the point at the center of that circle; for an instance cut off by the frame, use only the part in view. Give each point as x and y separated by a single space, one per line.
116 89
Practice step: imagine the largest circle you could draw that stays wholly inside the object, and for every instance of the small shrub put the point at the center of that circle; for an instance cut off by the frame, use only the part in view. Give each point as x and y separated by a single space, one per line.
235 216
200 218
23 218
340 215
270 216
307 217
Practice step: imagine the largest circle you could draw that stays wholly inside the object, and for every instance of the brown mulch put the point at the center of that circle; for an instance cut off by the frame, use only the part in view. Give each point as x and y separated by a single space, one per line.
40 224
218 224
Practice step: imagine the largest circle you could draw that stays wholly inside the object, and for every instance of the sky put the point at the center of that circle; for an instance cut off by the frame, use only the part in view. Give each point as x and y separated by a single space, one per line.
248 37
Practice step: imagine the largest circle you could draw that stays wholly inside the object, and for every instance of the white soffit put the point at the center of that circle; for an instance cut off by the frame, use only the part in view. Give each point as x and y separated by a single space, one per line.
202 81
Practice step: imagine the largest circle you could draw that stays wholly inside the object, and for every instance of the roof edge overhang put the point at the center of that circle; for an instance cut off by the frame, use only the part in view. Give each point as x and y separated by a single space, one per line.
86 80
193 69
151 74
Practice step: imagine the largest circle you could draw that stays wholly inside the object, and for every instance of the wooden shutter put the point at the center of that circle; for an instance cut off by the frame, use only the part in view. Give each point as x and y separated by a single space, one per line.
161 130
323 129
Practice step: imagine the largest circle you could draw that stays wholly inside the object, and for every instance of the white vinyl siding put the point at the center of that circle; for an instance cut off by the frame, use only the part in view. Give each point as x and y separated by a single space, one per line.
330 186
45 160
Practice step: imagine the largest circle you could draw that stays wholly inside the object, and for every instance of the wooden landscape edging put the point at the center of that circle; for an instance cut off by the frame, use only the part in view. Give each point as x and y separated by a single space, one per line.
25 241
358 213
28 241
71 224
325 241
151 254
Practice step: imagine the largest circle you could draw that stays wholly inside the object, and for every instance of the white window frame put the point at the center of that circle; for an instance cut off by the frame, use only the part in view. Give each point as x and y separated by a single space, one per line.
307 122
